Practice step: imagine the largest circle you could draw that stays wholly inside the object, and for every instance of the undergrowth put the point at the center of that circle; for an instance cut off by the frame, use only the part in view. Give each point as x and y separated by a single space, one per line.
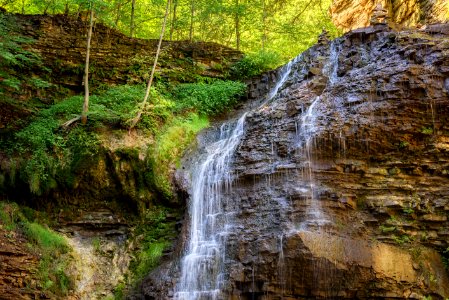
50 247
254 64
47 152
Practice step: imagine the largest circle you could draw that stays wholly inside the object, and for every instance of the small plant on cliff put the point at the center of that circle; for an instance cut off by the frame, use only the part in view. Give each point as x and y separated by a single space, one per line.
427 130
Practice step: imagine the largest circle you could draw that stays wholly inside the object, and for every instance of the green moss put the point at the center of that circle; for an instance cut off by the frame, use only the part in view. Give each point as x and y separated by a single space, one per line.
169 147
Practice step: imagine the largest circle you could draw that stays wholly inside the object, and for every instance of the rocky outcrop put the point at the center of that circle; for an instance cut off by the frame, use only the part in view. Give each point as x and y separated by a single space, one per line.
350 14
17 268
341 181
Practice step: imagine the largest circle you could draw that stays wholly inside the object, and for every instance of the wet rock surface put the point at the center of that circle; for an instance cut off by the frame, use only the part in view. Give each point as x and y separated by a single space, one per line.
341 181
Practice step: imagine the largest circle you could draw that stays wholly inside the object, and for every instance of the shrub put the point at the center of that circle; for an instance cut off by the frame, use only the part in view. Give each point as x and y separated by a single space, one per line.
255 64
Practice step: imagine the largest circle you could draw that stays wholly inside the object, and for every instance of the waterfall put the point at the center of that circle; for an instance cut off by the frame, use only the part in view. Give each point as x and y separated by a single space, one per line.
202 268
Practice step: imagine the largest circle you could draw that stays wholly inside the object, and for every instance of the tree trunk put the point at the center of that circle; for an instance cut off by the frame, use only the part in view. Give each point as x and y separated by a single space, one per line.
150 81
264 24
117 18
133 9
192 16
173 20
237 25
86 68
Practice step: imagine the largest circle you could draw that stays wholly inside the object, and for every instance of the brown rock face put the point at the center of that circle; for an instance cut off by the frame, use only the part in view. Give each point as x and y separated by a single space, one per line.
353 14
17 268
341 181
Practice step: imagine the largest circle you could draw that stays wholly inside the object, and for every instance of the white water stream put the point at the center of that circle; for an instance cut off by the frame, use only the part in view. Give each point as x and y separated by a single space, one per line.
202 268
203 276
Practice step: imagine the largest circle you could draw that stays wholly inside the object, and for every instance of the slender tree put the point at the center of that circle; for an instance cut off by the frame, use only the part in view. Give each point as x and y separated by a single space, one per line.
132 23
173 19
192 19
150 81
86 67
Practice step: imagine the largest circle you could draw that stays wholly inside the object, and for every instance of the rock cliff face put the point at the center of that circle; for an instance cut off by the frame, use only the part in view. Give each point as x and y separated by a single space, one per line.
352 14
341 180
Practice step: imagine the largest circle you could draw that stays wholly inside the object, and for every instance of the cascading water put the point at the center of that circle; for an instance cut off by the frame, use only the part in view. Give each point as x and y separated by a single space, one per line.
202 268
306 134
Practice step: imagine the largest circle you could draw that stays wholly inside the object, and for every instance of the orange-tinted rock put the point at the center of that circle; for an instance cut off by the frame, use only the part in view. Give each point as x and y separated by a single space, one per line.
353 14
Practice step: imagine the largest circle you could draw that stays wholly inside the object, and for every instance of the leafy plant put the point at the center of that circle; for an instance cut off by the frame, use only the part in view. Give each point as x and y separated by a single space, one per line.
400 240
427 130
387 229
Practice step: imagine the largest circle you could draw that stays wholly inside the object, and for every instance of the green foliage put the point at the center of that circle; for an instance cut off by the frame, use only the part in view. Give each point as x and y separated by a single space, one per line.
387 229
56 150
52 152
255 64
284 26
16 62
208 99
403 239
403 144
408 210
427 130
10 215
